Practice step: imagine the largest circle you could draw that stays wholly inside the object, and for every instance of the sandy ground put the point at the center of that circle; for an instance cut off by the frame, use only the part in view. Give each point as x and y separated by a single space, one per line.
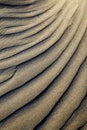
43 65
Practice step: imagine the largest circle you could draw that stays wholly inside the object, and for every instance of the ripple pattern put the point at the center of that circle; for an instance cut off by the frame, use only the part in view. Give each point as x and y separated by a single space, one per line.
43 65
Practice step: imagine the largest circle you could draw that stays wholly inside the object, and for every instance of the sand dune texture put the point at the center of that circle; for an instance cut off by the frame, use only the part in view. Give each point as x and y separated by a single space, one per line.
43 65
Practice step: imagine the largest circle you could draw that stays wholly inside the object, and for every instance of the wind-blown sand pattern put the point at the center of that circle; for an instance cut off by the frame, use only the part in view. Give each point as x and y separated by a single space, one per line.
43 65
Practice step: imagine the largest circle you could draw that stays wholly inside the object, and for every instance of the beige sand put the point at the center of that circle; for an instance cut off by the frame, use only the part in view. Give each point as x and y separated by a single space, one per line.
43 65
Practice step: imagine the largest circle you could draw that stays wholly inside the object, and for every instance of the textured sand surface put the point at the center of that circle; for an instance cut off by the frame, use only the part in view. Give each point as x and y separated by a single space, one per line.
43 65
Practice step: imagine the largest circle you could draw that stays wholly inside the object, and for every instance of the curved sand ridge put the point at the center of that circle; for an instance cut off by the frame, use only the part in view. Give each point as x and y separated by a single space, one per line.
43 65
